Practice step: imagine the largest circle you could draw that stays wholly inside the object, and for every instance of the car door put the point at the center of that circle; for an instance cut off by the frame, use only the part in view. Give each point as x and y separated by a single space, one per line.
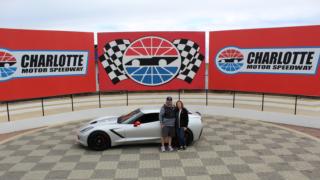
148 130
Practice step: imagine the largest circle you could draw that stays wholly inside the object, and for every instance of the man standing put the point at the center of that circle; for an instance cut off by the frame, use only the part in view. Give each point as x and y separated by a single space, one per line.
167 122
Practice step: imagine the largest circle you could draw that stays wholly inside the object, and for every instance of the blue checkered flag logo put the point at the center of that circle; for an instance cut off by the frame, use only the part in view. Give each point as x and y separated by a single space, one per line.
112 59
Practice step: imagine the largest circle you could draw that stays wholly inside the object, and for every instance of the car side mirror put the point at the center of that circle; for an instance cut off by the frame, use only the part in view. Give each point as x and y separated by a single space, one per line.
136 123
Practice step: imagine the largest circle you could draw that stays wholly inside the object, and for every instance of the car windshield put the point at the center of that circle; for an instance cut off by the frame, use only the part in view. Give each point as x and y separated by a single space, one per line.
128 116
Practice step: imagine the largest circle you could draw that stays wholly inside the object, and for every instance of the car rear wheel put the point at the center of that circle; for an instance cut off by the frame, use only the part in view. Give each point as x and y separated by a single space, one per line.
99 141
188 135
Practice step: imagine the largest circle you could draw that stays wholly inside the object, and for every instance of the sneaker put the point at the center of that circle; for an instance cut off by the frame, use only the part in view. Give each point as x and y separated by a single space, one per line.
170 148
163 149
184 147
180 148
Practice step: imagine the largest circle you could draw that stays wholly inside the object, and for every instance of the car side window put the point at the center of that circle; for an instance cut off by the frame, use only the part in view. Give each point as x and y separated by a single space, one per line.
147 118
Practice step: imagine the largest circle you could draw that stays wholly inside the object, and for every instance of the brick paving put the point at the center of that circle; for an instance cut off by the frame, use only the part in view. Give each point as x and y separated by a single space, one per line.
229 148
315 132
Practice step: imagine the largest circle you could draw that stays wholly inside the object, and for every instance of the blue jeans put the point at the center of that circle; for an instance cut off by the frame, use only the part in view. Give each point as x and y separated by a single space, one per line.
180 132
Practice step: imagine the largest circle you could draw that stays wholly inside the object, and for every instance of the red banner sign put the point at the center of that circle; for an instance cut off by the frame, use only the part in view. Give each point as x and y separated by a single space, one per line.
37 64
151 60
274 60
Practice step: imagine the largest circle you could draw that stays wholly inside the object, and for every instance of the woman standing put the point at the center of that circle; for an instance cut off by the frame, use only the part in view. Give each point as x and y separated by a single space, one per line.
182 120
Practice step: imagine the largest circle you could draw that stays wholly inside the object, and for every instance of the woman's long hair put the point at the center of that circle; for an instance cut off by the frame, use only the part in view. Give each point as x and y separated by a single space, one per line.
182 106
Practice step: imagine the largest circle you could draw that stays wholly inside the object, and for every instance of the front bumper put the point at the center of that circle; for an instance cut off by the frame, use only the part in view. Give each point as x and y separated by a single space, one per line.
81 139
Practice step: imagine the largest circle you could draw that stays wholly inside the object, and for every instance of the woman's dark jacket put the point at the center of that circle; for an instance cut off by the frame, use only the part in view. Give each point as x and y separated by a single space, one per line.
184 118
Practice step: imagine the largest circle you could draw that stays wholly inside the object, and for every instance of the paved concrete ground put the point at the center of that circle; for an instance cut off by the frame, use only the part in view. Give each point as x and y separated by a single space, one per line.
229 149
315 132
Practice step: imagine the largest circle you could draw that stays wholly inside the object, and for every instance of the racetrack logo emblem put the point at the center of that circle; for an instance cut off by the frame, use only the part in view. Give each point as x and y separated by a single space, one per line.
295 60
41 63
230 61
7 65
151 61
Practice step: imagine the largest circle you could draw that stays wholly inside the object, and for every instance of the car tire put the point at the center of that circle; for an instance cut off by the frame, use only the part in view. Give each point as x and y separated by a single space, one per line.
188 137
99 141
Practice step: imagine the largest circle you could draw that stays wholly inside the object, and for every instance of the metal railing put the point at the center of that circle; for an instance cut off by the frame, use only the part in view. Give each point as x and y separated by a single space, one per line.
17 110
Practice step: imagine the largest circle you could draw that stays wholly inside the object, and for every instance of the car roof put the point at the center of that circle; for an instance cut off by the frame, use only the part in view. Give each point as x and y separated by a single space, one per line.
150 109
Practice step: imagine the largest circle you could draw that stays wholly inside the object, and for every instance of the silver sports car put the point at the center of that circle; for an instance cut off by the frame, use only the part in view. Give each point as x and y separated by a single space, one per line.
139 126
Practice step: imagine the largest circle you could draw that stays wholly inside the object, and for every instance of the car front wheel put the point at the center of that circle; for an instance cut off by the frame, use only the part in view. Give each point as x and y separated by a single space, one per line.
99 141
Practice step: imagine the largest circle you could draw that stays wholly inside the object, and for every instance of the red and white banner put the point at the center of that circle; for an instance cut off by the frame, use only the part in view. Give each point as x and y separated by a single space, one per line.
37 64
151 61
273 60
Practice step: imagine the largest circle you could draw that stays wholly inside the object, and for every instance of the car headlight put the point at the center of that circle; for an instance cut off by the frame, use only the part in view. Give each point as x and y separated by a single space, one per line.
86 129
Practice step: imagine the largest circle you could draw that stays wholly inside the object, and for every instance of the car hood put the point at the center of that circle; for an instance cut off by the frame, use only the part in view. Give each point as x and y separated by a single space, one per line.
104 120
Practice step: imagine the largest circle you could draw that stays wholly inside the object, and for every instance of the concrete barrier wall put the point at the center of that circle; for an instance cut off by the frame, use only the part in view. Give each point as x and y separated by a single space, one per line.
268 103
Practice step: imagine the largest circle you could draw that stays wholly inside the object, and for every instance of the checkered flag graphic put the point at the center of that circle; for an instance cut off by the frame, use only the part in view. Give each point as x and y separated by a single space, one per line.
190 57
112 59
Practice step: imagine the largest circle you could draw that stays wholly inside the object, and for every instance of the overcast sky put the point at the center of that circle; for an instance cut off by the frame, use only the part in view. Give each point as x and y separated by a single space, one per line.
144 15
